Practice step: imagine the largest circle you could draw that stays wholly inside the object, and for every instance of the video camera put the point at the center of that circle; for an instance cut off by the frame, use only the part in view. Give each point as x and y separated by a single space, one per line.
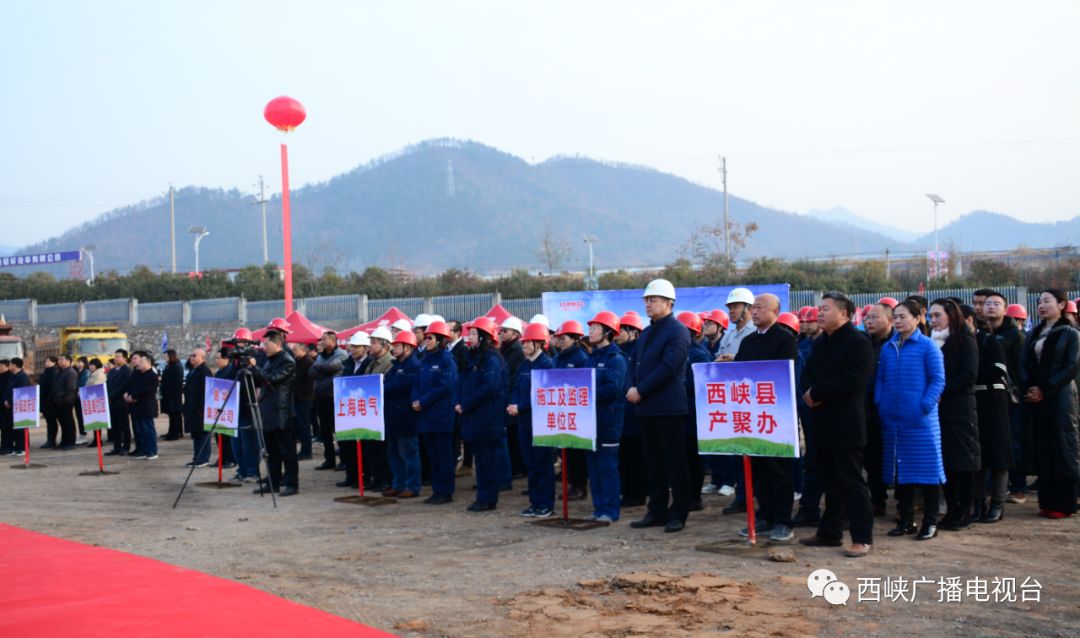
240 350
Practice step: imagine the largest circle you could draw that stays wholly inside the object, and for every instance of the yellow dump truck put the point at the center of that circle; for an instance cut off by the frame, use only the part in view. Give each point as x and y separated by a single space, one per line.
80 341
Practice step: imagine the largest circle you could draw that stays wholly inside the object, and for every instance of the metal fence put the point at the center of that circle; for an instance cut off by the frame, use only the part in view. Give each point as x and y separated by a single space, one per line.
411 306
162 313
524 308
463 307
16 309
345 308
107 311
58 314
215 310
259 313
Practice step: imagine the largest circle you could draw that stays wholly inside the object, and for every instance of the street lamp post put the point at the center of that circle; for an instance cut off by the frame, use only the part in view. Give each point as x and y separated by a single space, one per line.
89 250
937 199
590 240
199 232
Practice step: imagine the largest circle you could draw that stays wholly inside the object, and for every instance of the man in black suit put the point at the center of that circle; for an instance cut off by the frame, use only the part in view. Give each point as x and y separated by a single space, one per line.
773 484
65 392
116 382
194 403
172 395
835 382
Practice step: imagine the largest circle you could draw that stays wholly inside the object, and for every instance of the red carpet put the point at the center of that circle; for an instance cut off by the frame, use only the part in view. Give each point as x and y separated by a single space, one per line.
53 587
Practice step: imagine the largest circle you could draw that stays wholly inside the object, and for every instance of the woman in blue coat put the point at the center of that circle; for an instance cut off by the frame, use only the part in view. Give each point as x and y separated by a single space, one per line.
610 364
909 381
538 460
433 398
483 400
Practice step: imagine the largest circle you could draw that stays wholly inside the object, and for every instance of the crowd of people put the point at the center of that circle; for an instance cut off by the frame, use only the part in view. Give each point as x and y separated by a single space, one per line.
938 399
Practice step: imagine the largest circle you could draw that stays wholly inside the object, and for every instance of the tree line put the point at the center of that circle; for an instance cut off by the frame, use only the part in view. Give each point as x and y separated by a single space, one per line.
257 283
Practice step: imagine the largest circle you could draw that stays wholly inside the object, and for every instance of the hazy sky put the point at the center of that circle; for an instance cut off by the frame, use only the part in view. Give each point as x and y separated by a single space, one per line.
816 104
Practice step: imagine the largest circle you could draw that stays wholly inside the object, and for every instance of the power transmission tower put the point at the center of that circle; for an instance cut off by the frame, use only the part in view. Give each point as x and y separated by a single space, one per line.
262 201
723 178
172 224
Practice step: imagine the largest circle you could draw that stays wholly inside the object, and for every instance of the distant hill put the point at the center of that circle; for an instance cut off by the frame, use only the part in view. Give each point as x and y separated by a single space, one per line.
983 230
844 217
449 203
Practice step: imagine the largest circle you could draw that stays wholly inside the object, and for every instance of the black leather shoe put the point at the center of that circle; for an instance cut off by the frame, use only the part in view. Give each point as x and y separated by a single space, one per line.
439 499
804 519
648 521
993 515
289 491
735 508
112 453
674 526
902 528
978 510
928 531
695 506
48 445
477 506
325 465
347 484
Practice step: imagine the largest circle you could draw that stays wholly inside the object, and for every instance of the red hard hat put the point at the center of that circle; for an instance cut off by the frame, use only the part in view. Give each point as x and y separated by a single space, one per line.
405 336
718 316
570 328
1070 306
789 319
279 324
690 320
438 328
1016 311
889 301
535 332
243 334
607 319
809 314
485 325
633 320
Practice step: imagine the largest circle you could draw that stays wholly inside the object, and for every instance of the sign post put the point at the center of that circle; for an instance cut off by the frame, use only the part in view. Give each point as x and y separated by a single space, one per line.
95 409
25 411
359 416
747 408
564 416
221 416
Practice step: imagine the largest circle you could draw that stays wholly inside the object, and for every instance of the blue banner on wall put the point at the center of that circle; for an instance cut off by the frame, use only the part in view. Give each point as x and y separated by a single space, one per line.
583 305
41 258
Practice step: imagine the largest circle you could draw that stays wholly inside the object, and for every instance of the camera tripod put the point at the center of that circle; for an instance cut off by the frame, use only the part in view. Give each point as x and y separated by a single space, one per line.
246 382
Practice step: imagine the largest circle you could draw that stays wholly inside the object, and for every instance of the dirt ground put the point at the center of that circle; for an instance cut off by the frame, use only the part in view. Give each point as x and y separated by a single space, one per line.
419 570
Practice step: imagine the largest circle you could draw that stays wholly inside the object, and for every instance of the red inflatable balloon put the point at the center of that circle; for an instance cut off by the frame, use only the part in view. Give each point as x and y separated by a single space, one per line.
284 113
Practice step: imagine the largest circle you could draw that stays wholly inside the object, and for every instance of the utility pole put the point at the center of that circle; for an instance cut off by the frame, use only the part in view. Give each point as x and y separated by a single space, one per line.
262 200
172 224
723 178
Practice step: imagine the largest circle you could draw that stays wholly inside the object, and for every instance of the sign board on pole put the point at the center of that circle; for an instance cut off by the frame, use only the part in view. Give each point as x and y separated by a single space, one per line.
222 396
95 406
746 408
358 408
26 406
564 408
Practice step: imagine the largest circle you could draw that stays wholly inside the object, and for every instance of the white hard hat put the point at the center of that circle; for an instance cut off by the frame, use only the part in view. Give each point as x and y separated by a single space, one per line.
542 320
423 320
402 324
740 295
382 332
513 323
360 338
433 318
660 288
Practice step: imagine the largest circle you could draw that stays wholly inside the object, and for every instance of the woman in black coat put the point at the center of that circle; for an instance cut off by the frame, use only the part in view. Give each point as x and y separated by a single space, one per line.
1048 369
995 435
959 420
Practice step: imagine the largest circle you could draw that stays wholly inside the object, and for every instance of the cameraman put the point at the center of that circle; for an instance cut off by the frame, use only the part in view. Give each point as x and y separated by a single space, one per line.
275 377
